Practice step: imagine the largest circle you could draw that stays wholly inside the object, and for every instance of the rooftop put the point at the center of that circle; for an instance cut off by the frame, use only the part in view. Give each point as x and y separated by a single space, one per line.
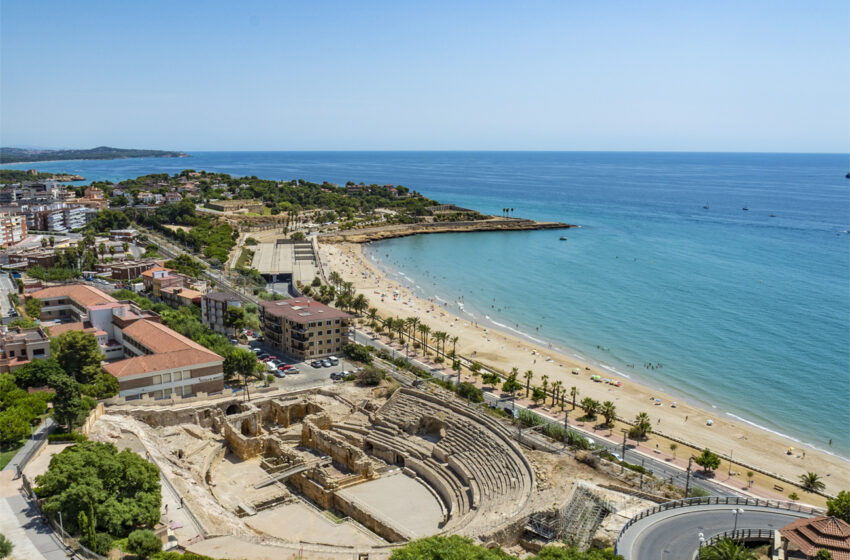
813 534
82 294
221 296
302 310
183 292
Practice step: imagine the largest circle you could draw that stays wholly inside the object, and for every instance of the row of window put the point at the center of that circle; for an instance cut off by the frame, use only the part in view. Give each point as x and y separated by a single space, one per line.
330 341
169 377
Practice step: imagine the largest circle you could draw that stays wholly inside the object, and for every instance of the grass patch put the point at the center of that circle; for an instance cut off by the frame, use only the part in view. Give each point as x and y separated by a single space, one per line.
245 258
8 452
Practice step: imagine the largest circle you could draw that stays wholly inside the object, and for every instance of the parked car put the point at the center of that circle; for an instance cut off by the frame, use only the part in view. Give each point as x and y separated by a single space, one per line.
336 376
279 374
286 366
316 363
257 351
333 360
326 363
292 371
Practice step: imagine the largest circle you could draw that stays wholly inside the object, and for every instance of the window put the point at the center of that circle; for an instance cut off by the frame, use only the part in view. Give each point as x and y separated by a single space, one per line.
328 323
337 330
337 339
336 322
156 380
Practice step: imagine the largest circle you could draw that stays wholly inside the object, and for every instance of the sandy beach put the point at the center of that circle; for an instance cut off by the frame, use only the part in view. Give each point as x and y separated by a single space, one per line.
689 423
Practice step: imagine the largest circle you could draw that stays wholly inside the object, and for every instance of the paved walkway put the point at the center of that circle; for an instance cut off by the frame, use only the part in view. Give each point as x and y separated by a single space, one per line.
32 442
21 523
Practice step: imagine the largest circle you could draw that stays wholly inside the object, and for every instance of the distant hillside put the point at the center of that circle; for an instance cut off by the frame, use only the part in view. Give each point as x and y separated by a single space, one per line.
19 155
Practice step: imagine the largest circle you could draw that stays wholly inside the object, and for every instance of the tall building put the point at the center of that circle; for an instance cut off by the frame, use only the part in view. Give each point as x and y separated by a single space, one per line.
19 347
304 328
13 229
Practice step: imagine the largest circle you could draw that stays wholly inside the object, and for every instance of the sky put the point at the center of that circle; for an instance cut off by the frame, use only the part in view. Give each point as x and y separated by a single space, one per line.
754 76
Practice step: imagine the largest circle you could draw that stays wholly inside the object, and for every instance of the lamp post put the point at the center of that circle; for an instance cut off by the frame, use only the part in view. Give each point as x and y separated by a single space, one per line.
737 512
566 415
701 538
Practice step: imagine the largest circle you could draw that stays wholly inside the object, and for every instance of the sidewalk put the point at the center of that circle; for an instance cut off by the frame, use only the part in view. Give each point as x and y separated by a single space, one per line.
21 523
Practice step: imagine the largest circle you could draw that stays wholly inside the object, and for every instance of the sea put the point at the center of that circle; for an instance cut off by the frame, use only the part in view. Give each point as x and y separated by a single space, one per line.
721 278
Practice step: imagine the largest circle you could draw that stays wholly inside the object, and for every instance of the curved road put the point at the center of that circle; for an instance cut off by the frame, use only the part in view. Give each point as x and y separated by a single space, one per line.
674 534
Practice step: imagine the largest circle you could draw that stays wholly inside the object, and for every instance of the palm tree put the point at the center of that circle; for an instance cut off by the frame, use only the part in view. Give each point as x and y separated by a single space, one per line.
726 549
412 322
475 368
373 313
643 425
574 394
556 389
360 303
545 386
424 330
609 411
590 406
454 345
335 278
674 446
528 375
811 482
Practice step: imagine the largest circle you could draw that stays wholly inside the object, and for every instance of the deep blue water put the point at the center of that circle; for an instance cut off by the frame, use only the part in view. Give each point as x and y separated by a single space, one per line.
746 312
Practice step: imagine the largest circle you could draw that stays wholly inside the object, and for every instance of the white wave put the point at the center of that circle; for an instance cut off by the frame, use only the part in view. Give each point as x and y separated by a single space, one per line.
786 436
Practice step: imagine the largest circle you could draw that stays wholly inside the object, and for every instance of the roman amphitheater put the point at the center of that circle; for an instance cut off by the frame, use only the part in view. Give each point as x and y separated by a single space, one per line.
348 472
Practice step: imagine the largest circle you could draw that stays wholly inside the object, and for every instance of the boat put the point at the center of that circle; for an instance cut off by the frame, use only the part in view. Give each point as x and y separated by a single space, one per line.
706 206
772 215
745 208
563 238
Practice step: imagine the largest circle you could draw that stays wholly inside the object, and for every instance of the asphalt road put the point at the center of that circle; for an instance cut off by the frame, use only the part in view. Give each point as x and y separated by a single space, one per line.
674 534
7 286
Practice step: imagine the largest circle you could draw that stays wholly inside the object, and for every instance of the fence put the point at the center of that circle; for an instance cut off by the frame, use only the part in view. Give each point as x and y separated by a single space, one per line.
68 541
718 500
39 439
743 535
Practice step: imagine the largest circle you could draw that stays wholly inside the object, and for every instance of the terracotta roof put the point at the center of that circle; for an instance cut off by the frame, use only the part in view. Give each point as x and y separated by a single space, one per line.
149 272
84 295
56 330
160 362
183 292
171 350
820 533
302 310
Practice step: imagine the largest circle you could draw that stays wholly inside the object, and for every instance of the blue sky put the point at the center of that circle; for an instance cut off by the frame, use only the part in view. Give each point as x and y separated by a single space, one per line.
682 76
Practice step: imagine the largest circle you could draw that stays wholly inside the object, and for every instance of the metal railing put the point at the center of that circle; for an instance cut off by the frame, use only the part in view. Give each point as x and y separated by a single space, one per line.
740 535
719 500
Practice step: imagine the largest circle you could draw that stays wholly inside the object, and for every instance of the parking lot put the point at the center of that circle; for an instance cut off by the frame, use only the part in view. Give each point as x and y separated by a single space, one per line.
306 376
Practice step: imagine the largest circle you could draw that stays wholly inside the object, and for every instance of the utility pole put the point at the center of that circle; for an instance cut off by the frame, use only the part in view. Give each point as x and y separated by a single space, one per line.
566 415
688 478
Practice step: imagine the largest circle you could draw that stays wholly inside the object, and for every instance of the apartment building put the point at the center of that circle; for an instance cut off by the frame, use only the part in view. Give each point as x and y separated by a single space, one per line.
59 217
158 277
213 306
13 229
304 328
20 346
145 356
180 296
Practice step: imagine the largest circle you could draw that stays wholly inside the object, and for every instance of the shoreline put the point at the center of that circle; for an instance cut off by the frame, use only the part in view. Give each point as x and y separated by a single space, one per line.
570 352
729 434
493 223
93 159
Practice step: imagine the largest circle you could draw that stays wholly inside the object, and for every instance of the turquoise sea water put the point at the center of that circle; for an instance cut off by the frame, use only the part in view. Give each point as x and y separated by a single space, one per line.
745 312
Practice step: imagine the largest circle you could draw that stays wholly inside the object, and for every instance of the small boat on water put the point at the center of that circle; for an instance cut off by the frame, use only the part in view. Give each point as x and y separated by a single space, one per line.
706 206
563 238
772 216
745 208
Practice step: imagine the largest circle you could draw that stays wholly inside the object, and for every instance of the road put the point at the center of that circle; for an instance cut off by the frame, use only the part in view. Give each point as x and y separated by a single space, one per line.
674 534
7 286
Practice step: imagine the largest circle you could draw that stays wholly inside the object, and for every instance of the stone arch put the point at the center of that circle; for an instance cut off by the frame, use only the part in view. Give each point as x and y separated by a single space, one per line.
233 409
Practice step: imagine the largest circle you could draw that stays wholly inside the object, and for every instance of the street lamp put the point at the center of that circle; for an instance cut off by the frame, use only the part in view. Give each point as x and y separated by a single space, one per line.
688 478
737 512
701 539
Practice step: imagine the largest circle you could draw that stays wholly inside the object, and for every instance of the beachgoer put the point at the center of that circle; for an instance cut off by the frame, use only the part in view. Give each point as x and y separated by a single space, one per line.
686 418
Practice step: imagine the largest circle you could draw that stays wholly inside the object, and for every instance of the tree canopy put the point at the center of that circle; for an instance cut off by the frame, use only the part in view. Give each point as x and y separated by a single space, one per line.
707 460
79 354
121 489
839 506
457 547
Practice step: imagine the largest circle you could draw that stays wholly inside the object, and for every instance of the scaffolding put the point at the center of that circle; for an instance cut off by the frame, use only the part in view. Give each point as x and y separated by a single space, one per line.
575 522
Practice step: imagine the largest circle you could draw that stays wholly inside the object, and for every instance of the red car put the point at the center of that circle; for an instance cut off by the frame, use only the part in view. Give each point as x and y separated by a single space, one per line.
285 367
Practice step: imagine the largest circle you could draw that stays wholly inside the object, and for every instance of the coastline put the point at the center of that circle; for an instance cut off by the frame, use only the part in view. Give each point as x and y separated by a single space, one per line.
89 159
503 347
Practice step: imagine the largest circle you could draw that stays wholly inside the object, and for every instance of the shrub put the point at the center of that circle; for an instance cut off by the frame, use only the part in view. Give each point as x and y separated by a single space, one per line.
144 543
103 543
6 546
370 376
470 392
358 353
76 437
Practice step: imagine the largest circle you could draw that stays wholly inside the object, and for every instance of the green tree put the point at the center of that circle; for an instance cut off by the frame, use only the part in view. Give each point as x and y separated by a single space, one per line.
357 353
839 506
823 555
707 460
360 304
33 307
572 553
727 549
454 547
143 543
6 546
68 404
13 427
38 373
234 318
370 376
119 491
490 379
574 394
79 354
642 426
537 394
511 385
609 412
470 392
811 482
239 362
591 407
